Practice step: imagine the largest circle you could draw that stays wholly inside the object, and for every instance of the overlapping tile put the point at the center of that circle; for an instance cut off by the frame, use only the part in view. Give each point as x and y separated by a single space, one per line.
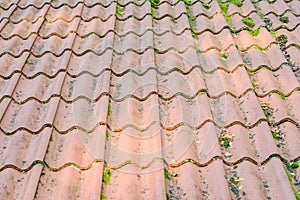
181 99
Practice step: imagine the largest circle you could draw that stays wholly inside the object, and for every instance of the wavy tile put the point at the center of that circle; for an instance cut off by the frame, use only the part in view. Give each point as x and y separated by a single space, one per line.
31 14
32 116
70 3
176 83
213 60
169 41
98 11
63 13
293 52
41 88
282 81
6 3
18 185
89 63
30 148
59 28
236 83
278 7
96 26
37 3
271 58
7 86
93 44
294 6
54 45
176 25
172 60
23 29
208 40
132 84
85 86
208 182
149 185
282 108
245 110
292 37
131 62
198 9
277 23
245 40
48 65
132 112
180 111
165 9
9 64
16 46
71 184
238 24
81 114
76 147
244 10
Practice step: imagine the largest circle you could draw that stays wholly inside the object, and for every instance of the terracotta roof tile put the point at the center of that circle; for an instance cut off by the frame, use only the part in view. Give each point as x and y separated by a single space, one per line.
135 99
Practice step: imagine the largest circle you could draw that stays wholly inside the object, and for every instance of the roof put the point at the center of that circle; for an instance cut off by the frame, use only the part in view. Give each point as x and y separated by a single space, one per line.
137 99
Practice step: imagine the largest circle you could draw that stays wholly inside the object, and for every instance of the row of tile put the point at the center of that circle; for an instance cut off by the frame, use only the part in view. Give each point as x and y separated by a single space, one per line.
21 91
282 115
243 180
142 148
103 17
247 6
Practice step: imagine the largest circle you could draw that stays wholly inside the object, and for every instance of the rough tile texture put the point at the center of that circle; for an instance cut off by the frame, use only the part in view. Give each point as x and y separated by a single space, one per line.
138 99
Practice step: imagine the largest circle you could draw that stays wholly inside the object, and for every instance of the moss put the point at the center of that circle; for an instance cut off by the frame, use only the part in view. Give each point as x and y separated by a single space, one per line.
225 142
282 97
187 2
291 182
254 33
109 110
228 19
224 7
249 22
282 38
275 136
120 11
273 33
223 54
234 180
154 3
167 196
106 175
260 15
238 3
103 197
167 174
284 19
195 36
206 6
295 165
107 135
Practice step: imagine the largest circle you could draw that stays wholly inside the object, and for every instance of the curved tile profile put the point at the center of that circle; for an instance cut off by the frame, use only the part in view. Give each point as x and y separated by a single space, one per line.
30 148
17 185
282 81
272 58
149 99
244 10
70 183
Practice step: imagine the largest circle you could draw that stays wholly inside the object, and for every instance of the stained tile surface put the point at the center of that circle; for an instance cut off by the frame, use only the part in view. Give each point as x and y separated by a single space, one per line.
138 99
